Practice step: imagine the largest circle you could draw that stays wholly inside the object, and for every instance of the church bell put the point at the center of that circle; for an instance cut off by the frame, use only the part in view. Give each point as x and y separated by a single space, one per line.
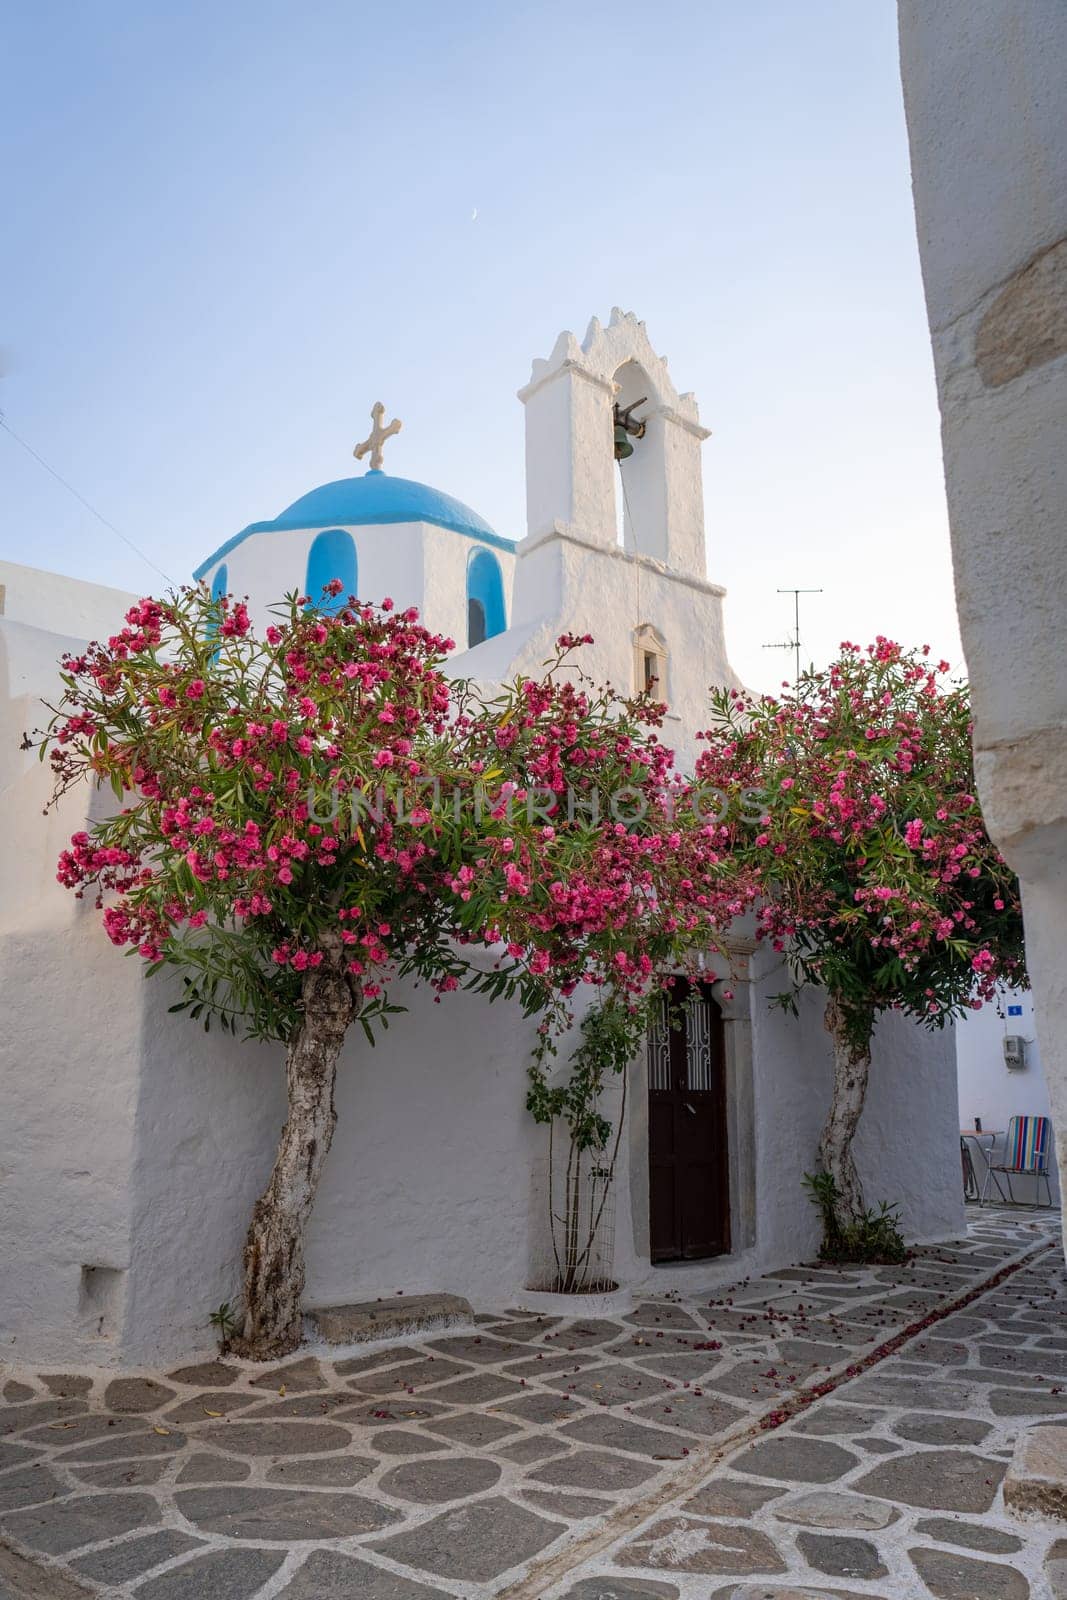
627 427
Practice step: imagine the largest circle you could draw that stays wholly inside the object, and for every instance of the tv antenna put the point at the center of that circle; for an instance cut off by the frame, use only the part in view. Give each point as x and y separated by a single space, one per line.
793 643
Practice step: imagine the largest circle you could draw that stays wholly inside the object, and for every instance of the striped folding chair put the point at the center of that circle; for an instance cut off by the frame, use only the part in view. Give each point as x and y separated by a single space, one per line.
1025 1155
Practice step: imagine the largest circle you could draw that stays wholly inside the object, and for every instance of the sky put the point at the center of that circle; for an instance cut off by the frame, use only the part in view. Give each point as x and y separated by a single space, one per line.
231 227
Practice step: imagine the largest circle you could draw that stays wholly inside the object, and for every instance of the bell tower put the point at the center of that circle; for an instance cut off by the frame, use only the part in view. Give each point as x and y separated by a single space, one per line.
572 478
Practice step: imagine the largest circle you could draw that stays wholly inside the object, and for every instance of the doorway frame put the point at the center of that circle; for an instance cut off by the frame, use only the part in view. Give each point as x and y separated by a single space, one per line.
740 1123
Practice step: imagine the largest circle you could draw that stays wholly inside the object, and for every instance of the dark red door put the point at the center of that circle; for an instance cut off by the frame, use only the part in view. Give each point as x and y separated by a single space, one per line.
689 1192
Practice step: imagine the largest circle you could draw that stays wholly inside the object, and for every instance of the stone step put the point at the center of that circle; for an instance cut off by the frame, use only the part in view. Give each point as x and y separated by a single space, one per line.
1036 1481
398 1318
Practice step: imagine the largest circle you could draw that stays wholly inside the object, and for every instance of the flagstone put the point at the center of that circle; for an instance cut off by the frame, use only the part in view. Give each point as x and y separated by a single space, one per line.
1042 1362
571 1507
409 1375
614 1432
275 1438
123 1474
840 1557
542 1410
136 1394
64 1525
21 1417
594 1469
15 1392
224 1400
78 1430
661 1316
296 1377
691 1366
401 1442
283 1514
683 1545
377 1358
621 1589
929 1353
703 1413
119 1563
398 1408
938 1480
534 1447
542 1364
971 1535
329 1575
525 1328
481 1389
440 1479
886 1389
790 1591
326 1403
213 1469
616 1406
219 1575
730 1497
612 1384
828 1418
125 1446
478 1348
65 1384
206 1375
828 1508
589 1331
28 1486
751 1381
933 1429
332 1472
792 1459
473 1428
475 1542
1027 1403
955 1577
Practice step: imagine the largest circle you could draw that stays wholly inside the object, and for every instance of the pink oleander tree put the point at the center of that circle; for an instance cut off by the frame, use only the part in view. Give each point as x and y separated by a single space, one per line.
305 817
880 883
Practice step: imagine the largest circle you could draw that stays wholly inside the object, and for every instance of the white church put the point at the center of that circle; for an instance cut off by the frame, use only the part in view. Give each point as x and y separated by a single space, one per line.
133 1145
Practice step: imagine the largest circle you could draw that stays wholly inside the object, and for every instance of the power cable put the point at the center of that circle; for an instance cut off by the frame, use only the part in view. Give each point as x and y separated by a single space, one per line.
58 476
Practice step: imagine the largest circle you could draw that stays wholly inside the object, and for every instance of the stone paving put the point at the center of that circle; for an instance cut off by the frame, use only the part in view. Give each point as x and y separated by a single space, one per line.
601 1458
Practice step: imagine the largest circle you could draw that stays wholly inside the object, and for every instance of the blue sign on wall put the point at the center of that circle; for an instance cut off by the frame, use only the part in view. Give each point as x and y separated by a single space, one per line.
1015 1011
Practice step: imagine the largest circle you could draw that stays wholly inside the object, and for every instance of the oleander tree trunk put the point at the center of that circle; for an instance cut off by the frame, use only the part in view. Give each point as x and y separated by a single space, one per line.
274 1248
852 1063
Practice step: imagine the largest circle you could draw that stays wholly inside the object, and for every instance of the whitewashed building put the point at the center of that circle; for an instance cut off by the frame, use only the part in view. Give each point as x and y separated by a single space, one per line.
134 1145
1001 1075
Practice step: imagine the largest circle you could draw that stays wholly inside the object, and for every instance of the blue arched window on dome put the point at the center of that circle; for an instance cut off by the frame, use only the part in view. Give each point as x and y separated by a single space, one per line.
485 598
332 555
220 585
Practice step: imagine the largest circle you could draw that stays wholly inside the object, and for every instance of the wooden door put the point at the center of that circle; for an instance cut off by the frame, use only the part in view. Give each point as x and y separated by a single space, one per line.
689 1190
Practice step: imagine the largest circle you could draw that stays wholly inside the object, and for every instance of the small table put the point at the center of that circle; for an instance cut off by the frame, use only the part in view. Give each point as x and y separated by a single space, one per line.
969 1137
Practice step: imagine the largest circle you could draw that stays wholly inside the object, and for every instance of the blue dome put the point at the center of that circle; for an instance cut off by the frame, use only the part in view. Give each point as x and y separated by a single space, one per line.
375 498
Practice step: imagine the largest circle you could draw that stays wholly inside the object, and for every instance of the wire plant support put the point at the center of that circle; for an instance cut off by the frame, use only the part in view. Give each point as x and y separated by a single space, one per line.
578 1255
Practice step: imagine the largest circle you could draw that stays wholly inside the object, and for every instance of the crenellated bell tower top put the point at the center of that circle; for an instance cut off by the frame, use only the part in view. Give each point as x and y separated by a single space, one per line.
572 476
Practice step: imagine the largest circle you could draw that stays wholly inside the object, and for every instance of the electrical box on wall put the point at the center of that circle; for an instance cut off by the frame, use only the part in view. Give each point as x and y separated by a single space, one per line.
1014 1052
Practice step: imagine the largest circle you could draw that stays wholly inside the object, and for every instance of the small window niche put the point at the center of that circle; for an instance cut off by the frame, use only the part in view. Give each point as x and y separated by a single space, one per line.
650 663
100 1296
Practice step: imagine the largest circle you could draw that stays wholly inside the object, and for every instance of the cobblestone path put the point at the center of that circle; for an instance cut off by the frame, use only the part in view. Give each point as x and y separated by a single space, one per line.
575 1459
